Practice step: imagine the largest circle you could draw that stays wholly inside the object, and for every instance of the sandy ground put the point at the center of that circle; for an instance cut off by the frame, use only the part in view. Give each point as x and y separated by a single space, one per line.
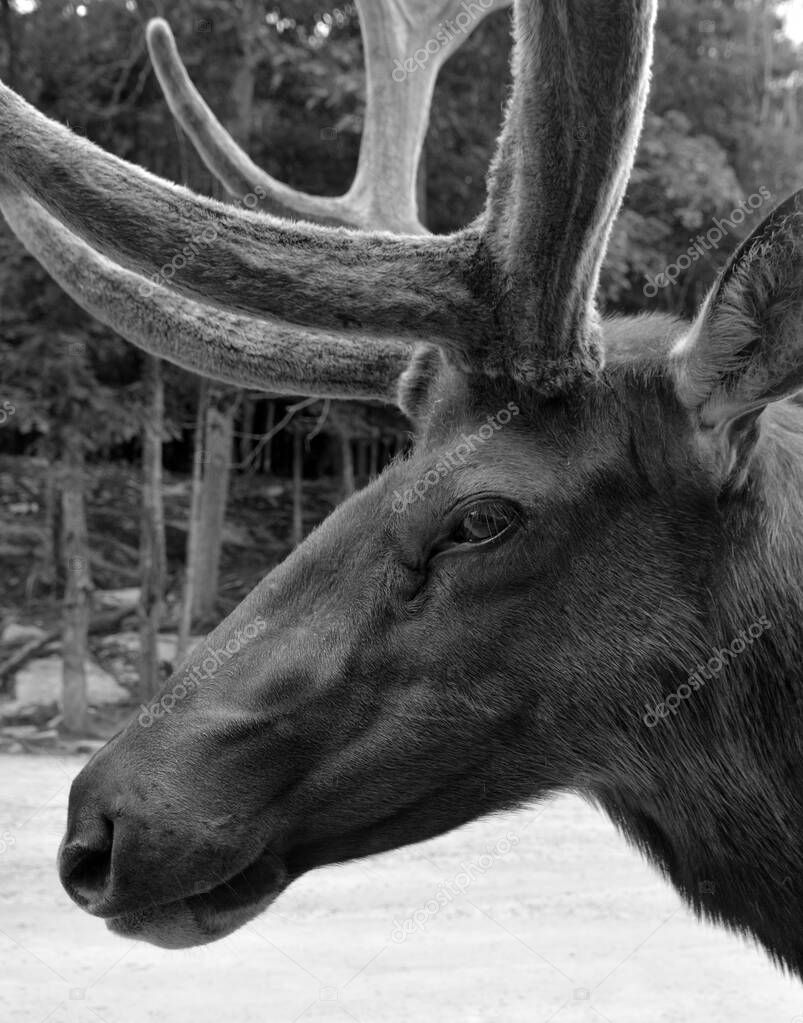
567 925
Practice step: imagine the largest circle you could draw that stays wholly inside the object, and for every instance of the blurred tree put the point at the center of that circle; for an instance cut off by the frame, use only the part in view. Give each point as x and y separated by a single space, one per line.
152 553
726 102
60 400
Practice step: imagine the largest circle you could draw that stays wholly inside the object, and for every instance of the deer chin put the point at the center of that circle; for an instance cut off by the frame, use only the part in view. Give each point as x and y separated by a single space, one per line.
207 916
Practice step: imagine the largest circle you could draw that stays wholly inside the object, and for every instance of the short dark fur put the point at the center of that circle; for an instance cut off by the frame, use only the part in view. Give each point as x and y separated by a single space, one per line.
637 557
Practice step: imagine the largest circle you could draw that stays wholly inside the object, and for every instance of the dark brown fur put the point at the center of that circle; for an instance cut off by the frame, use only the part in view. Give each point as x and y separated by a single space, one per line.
394 697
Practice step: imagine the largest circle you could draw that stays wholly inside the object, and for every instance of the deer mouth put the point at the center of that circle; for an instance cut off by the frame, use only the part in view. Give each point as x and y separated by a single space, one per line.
209 915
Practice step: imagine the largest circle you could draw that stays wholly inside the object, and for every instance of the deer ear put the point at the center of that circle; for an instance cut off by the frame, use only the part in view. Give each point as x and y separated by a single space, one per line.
745 348
415 384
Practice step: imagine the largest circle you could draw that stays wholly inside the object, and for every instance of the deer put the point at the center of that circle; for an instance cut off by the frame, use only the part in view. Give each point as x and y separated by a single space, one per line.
496 637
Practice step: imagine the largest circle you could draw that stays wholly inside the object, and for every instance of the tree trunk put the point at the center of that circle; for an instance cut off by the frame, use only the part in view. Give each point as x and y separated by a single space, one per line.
346 464
266 455
218 437
373 462
362 462
45 570
767 17
153 556
243 88
8 32
188 597
246 441
298 482
78 587
51 544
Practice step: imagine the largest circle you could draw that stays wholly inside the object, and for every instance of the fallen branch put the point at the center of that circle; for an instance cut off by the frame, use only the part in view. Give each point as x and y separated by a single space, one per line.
98 626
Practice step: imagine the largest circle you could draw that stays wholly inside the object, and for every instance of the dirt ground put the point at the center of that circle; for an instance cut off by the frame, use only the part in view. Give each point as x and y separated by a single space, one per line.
539 916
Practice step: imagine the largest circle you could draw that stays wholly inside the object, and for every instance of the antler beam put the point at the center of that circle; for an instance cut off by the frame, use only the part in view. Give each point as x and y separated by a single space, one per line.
264 355
244 262
513 294
581 80
406 42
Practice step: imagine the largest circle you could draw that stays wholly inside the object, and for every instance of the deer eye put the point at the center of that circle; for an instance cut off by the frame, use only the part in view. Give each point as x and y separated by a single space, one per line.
484 522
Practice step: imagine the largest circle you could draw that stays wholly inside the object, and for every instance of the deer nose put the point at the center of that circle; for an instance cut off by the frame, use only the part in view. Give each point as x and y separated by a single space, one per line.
85 860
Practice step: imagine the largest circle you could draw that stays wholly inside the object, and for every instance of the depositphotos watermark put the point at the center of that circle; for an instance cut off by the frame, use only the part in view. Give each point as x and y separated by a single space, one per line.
206 236
473 11
418 920
453 458
705 242
713 666
201 672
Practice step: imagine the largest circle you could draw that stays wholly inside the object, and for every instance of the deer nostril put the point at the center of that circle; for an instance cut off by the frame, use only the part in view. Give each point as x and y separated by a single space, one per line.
90 874
85 863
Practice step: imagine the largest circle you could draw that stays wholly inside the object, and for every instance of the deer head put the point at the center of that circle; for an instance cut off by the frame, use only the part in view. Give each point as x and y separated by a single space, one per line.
590 508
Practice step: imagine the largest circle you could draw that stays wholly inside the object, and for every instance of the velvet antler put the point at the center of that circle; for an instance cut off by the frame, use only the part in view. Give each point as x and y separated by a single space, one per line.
512 294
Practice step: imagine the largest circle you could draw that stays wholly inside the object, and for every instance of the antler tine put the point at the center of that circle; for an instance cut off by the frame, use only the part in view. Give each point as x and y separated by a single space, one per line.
234 349
239 175
405 42
581 73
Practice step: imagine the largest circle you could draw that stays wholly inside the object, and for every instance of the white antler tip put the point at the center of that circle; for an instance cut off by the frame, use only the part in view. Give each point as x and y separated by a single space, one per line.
159 33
